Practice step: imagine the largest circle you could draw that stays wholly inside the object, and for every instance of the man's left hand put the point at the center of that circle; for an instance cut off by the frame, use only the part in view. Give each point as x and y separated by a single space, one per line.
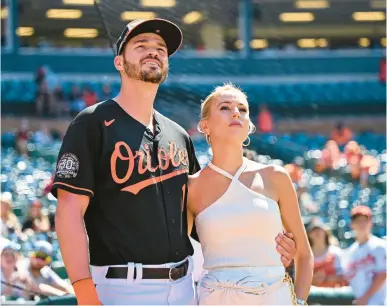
286 247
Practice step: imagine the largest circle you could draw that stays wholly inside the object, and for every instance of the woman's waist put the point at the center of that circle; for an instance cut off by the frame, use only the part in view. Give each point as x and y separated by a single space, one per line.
257 272
246 259
245 278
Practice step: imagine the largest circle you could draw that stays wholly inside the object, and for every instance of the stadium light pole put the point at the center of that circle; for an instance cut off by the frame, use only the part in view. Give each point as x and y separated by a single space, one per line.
12 24
245 26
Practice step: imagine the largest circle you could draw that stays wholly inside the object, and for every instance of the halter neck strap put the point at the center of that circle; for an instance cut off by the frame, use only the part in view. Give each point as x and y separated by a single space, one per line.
225 173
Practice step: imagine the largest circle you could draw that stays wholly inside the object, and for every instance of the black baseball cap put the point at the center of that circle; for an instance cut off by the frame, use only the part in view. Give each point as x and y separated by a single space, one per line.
169 31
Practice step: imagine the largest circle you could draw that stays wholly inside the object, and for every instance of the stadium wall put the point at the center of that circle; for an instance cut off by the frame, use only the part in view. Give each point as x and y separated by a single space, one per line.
260 64
322 126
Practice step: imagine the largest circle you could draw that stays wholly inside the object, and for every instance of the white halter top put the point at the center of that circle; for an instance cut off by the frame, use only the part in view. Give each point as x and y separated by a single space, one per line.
239 229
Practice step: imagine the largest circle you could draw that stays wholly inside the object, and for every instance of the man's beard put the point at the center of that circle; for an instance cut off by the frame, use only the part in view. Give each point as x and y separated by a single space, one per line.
134 71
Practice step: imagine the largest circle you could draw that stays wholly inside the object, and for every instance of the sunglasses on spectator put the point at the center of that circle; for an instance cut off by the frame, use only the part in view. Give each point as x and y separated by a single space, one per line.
43 256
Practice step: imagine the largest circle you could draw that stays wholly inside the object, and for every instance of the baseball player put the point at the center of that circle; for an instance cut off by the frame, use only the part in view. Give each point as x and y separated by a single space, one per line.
365 261
121 177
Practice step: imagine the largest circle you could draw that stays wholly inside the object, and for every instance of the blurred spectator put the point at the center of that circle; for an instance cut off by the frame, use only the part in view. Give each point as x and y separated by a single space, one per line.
22 136
46 82
40 77
382 71
51 217
360 165
12 276
369 165
341 134
45 103
76 101
305 200
43 136
353 155
106 92
365 261
330 157
327 265
9 222
3 242
36 220
38 269
89 97
295 169
265 119
62 105
51 79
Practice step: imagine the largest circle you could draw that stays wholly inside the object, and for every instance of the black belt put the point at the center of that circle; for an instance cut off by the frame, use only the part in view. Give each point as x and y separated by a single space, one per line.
173 273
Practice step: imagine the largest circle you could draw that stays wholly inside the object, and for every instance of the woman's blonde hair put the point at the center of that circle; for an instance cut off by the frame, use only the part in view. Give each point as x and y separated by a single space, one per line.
218 91
12 221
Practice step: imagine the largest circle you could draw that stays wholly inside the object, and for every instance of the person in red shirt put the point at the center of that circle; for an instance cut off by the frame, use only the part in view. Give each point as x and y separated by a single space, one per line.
89 97
327 256
265 120
341 134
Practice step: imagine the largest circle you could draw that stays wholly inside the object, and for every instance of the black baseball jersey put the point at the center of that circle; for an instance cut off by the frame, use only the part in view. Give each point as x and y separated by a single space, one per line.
136 181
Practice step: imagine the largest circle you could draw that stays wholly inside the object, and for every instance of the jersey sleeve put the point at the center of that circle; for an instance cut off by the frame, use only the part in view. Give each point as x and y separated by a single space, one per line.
78 158
194 165
379 254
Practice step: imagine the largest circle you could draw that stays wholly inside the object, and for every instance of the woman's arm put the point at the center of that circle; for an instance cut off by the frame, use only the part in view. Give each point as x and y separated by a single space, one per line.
190 219
291 218
188 197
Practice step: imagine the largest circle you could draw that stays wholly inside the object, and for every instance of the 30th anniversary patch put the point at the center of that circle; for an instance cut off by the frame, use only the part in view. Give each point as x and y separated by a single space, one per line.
68 166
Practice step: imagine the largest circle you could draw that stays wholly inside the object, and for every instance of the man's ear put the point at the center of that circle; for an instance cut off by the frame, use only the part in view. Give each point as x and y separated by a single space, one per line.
119 63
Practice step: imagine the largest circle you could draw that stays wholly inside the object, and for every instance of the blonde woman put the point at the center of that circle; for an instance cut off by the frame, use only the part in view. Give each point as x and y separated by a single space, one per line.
239 207
9 222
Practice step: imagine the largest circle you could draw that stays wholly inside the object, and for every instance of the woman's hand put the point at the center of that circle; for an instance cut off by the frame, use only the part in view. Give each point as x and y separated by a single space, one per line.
286 247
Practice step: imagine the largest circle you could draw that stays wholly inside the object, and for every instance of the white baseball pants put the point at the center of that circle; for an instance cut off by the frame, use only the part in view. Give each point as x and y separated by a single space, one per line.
140 291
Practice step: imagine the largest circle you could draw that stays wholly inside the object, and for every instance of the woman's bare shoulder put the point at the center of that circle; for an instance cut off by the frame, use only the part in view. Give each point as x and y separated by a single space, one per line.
256 166
195 178
196 187
271 171
199 179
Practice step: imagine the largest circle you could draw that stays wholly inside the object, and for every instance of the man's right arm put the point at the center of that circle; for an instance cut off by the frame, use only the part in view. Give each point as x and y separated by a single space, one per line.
72 234
73 186
74 245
